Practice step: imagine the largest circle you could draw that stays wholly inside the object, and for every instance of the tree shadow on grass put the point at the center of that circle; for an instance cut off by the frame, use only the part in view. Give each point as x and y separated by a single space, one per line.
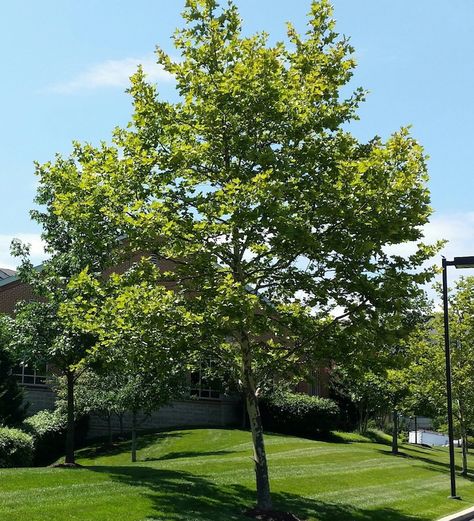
100 448
376 437
182 496
189 454
414 448
432 464
367 437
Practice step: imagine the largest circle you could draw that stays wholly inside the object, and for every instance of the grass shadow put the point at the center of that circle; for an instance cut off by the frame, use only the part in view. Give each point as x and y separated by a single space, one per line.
370 436
182 496
189 454
100 447
376 437
433 464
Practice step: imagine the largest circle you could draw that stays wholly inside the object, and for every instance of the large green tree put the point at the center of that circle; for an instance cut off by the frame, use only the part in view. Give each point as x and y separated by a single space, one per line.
279 222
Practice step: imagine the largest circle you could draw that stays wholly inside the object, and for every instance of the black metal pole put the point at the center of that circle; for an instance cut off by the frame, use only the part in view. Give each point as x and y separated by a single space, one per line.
448 382
416 431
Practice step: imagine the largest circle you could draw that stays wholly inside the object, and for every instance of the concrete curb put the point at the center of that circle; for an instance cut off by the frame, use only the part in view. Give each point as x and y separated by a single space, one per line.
464 515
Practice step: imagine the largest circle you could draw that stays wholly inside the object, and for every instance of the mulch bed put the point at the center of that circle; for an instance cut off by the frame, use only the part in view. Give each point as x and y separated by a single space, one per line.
271 515
66 466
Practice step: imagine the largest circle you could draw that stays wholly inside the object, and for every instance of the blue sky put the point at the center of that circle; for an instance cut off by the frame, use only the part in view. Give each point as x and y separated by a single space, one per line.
65 67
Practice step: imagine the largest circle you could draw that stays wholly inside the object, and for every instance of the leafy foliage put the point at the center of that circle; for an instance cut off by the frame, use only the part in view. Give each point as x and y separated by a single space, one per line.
299 414
12 406
279 223
428 369
16 448
48 429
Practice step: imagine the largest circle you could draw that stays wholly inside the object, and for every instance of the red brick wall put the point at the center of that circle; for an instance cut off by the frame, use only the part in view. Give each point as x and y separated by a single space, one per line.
17 291
12 293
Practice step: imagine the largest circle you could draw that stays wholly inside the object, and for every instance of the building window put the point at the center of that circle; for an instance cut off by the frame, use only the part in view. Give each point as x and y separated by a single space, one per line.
30 375
204 385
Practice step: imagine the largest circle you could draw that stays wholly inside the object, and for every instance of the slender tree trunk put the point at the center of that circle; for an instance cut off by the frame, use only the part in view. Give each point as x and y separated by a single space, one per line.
464 453
264 501
395 432
463 438
361 417
134 436
366 420
70 419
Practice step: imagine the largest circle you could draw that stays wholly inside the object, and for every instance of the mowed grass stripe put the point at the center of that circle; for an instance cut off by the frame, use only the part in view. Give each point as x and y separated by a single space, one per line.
207 475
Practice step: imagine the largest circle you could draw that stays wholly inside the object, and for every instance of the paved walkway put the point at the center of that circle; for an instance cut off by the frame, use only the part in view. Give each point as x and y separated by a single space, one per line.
464 515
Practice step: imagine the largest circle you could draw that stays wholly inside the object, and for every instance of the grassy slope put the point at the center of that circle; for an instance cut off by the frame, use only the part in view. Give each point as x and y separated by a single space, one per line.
206 475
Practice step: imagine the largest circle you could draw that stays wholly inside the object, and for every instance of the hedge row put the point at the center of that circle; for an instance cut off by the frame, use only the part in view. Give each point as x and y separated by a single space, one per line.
299 414
48 430
16 448
40 442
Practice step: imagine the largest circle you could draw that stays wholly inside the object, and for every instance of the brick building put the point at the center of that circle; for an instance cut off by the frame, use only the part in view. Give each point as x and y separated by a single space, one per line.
207 405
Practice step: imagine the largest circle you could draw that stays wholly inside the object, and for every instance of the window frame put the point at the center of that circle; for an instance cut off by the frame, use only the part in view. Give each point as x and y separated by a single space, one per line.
38 376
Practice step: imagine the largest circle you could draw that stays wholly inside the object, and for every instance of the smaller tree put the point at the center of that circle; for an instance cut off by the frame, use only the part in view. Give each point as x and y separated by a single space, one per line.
94 393
397 391
143 334
40 336
364 389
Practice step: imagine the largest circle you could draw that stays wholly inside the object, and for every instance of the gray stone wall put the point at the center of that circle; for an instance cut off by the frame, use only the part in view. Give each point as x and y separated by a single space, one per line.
184 413
39 398
224 412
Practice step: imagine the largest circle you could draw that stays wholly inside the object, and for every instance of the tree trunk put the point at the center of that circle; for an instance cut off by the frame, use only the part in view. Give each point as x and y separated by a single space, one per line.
70 419
264 501
464 453
462 425
361 418
395 432
134 436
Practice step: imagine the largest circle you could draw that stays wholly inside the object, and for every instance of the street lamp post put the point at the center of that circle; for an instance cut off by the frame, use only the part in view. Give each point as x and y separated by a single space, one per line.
458 262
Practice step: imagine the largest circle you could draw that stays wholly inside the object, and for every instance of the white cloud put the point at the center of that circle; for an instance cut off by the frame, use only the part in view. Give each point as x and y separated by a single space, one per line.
458 230
36 251
112 74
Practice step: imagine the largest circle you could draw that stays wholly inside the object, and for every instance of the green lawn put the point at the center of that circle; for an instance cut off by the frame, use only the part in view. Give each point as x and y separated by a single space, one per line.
206 475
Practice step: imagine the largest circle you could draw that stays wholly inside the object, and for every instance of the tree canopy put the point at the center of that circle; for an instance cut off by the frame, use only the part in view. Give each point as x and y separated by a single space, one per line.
280 223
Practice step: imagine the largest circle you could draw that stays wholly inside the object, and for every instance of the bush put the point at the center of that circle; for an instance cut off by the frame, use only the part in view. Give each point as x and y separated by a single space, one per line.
16 448
299 414
48 429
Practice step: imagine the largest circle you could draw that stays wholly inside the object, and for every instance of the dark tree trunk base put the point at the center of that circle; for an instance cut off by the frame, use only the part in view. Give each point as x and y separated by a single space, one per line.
271 515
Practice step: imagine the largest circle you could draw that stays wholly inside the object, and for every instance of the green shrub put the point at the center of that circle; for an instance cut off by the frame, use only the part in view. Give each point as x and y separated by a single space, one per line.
298 414
16 448
48 429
